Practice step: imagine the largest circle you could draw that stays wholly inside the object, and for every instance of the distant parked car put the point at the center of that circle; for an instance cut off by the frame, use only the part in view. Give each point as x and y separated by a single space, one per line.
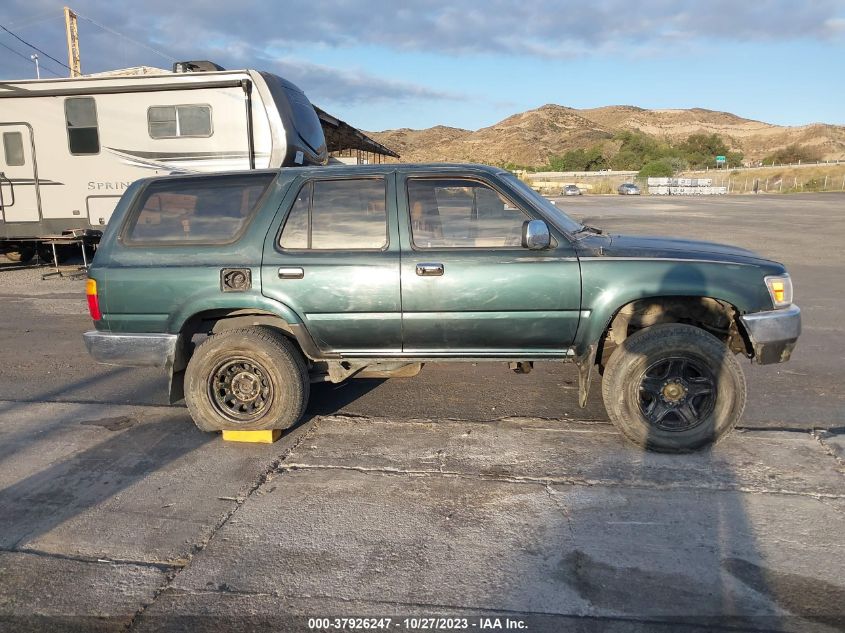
628 189
571 190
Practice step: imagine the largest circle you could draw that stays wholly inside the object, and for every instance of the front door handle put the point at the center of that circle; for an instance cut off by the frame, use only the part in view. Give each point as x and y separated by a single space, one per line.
430 270
291 273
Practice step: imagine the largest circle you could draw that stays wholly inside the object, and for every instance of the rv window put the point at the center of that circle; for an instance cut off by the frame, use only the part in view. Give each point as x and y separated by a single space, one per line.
211 210
338 215
179 120
13 148
81 117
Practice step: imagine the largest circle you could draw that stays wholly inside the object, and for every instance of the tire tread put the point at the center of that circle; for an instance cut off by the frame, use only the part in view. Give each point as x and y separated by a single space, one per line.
284 352
646 340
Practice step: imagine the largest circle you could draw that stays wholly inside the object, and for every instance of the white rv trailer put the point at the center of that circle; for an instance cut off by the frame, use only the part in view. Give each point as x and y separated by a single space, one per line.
71 146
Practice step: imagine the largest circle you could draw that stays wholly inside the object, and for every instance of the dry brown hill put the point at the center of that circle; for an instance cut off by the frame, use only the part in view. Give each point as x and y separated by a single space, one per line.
529 138
406 141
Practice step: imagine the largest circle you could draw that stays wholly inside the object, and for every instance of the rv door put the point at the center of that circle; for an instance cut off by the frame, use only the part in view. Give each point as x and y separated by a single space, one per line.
17 162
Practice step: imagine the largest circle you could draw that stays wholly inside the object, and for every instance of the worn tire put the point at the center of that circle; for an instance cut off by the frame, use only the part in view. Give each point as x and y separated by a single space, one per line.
275 370
629 381
21 256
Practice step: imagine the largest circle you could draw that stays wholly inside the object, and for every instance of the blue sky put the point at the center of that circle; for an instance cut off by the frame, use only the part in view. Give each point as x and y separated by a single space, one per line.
383 65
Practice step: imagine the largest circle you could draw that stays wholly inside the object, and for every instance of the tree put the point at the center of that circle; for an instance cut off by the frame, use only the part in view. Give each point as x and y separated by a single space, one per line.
657 168
701 150
637 149
590 159
792 154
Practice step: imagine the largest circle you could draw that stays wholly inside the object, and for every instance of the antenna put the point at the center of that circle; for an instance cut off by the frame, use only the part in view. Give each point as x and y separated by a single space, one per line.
72 43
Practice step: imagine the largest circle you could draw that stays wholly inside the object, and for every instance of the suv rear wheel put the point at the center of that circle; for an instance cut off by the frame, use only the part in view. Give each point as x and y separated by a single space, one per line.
673 388
251 378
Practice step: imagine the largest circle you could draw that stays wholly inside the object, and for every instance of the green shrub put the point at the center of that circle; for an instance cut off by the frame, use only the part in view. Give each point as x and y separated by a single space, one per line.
636 150
657 168
792 154
590 159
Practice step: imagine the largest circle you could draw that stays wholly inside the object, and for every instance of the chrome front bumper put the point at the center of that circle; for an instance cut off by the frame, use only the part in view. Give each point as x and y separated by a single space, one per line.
132 350
773 334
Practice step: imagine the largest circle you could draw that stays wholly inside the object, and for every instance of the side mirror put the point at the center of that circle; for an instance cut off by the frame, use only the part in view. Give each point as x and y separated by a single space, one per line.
535 235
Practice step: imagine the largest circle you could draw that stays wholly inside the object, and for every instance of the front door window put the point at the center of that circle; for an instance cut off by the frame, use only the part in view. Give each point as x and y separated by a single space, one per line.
460 213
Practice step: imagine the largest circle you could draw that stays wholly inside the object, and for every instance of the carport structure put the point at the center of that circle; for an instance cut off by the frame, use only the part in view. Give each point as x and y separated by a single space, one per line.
345 141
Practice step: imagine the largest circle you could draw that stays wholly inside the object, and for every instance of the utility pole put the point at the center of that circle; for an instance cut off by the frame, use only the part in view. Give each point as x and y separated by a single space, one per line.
72 43
34 57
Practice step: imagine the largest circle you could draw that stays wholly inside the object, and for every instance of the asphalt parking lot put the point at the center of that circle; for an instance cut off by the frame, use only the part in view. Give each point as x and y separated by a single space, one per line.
465 492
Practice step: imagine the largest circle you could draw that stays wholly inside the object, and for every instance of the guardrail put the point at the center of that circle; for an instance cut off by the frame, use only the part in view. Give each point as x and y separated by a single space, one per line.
821 163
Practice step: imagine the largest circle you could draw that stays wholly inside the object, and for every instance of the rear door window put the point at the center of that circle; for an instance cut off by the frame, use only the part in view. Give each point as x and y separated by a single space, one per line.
338 215
211 210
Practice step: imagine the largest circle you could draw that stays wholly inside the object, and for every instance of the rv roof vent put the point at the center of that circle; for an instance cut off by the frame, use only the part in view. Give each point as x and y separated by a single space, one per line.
199 66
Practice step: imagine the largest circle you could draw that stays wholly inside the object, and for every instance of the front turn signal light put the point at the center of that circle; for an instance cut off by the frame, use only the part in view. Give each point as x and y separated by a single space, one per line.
93 299
780 290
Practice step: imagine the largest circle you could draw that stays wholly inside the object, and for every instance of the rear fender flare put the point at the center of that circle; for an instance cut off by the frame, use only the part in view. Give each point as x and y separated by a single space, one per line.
230 301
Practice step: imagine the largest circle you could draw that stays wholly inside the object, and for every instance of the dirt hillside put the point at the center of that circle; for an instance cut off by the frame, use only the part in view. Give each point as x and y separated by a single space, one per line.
529 138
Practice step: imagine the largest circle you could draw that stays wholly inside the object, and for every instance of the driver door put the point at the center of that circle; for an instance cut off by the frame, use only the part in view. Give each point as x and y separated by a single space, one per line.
469 288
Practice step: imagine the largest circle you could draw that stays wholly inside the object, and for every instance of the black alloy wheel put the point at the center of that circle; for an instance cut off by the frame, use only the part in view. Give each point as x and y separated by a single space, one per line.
677 394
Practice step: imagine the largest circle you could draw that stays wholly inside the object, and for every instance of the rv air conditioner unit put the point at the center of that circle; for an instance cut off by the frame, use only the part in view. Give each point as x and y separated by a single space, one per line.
199 66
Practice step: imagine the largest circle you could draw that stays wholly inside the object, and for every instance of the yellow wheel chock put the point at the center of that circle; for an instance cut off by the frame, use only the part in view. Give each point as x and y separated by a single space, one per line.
257 437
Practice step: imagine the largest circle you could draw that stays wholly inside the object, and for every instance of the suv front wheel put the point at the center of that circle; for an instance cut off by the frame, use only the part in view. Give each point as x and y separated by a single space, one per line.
673 388
251 379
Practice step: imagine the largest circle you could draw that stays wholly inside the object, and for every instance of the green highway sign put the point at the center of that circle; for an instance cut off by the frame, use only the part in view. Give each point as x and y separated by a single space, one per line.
720 159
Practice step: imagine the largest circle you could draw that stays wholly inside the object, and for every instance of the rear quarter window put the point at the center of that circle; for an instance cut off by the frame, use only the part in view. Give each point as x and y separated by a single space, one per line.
195 210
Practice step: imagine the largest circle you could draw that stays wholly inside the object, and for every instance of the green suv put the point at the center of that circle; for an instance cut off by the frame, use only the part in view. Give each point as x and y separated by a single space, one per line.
247 287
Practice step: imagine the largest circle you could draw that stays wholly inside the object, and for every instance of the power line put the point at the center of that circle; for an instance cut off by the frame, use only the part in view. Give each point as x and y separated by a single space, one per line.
33 46
22 56
43 17
169 58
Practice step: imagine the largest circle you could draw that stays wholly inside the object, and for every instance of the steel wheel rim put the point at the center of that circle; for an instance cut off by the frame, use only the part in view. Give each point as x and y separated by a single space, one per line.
676 394
240 390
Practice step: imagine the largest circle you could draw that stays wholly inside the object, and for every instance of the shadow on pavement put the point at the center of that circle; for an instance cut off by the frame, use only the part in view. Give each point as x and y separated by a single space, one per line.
692 563
329 399
83 480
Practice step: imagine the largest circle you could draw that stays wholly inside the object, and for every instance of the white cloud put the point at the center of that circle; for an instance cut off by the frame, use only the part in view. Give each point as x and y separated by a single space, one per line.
252 33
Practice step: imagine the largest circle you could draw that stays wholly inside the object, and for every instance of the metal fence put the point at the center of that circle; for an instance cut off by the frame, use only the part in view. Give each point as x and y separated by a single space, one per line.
739 183
762 165
721 182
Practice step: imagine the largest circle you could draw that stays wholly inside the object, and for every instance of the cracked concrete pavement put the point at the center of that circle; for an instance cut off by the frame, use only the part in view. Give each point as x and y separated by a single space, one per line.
463 492
133 517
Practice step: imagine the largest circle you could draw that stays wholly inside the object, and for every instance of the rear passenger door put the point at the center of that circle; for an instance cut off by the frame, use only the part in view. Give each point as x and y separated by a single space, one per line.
335 262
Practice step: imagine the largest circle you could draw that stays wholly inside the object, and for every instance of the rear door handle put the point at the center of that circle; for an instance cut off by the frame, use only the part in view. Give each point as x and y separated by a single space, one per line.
430 270
293 272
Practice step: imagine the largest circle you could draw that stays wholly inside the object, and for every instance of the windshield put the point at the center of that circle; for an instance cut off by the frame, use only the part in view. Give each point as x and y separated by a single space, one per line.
557 216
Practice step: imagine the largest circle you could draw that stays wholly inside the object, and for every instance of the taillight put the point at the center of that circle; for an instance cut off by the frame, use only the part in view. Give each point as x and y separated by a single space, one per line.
93 300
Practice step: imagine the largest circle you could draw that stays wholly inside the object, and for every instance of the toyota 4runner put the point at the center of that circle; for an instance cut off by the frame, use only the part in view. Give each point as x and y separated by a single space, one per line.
247 287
